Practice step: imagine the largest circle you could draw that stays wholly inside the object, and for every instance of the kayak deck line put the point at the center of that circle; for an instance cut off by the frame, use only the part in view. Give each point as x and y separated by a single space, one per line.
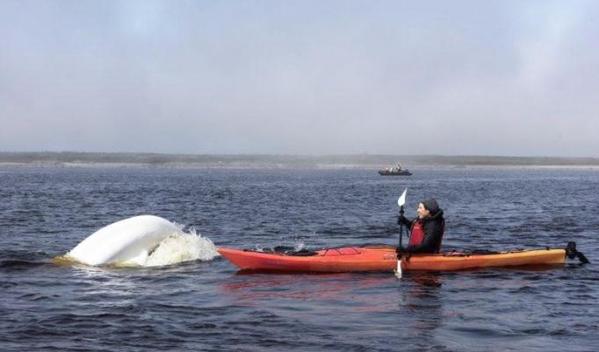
384 258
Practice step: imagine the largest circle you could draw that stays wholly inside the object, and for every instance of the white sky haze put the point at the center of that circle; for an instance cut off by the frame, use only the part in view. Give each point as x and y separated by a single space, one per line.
515 78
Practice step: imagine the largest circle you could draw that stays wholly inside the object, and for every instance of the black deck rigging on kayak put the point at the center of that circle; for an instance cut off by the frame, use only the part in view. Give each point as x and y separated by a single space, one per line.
288 250
571 251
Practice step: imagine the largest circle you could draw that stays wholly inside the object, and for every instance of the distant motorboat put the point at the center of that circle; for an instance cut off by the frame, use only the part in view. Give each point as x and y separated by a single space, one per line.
395 171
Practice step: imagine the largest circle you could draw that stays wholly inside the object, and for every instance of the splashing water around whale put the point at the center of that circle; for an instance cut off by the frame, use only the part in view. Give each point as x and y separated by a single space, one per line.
144 240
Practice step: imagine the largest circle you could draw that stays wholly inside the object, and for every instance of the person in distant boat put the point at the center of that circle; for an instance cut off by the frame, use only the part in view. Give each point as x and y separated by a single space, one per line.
426 231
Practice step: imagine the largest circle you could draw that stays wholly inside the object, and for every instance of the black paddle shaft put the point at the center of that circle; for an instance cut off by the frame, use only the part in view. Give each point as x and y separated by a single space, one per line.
400 227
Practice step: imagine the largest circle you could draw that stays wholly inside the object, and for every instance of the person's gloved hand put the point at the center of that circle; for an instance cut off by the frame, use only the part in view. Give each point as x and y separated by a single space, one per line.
402 219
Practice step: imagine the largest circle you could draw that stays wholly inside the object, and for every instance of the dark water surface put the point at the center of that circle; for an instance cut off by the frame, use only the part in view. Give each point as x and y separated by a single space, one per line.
206 306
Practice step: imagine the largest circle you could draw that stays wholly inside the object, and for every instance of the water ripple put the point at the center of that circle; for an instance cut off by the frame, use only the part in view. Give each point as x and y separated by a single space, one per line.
207 306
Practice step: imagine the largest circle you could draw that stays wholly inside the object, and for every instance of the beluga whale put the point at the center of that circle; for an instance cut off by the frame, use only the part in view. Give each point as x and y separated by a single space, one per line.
144 240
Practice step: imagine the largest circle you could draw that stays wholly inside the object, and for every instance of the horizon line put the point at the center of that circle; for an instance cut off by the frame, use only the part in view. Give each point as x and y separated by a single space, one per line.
309 155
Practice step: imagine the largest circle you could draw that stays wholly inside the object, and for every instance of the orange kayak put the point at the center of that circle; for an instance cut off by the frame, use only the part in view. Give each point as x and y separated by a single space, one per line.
383 258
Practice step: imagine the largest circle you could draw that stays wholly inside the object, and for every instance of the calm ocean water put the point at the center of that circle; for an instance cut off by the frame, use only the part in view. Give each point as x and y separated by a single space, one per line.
207 306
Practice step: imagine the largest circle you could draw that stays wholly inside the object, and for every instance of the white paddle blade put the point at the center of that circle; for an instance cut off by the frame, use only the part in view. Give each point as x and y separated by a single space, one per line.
402 199
398 270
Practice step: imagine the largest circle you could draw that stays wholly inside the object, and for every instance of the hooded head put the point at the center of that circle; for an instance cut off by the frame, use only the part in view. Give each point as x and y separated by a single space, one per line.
431 205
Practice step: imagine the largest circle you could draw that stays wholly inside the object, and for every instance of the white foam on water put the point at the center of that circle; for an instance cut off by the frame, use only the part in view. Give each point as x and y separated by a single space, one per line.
182 247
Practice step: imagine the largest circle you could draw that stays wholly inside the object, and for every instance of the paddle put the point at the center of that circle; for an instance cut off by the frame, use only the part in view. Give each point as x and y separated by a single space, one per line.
401 201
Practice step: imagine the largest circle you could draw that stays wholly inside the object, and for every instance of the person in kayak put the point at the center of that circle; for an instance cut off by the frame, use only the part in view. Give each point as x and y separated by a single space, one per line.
426 231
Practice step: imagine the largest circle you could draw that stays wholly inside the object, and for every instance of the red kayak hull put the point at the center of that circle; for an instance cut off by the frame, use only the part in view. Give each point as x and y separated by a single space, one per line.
365 259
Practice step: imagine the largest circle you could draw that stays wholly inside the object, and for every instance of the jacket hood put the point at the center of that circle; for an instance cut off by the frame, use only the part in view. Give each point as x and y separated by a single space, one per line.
436 216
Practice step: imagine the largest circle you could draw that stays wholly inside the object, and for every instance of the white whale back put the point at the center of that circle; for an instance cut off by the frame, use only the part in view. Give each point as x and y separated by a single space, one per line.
125 242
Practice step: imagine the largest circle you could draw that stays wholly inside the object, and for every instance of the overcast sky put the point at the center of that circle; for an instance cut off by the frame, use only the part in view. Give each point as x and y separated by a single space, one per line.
516 78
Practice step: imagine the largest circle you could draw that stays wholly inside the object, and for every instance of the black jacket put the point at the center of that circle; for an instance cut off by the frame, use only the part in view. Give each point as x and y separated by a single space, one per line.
433 226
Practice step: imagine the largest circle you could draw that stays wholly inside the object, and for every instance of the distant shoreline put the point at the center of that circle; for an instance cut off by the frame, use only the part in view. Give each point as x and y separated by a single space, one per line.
83 159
